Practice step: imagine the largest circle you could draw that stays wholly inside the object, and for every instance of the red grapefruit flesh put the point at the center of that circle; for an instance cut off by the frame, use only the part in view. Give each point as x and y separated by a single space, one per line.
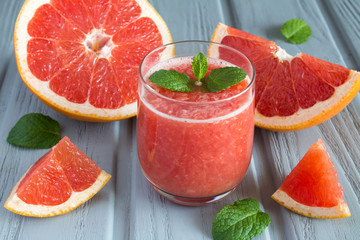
81 57
292 93
312 188
57 183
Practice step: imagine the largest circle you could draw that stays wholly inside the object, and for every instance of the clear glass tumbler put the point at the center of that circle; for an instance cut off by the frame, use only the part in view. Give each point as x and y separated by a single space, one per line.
195 148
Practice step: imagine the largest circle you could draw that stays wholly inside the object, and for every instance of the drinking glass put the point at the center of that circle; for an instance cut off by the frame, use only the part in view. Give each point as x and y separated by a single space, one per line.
195 148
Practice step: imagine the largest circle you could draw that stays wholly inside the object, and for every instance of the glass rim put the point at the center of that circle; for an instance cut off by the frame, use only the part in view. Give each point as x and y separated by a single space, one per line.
152 90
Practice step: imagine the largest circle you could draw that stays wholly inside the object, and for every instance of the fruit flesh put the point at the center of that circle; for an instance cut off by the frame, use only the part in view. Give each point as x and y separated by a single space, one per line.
314 182
53 178
309 81
185 151
87 57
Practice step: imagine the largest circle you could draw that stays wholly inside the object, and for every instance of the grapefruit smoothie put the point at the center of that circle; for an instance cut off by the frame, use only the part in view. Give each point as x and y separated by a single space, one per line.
194 147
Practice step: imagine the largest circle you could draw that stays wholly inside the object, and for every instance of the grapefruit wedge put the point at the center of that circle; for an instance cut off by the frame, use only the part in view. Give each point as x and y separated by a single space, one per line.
81 57
312 188
292 93
57 183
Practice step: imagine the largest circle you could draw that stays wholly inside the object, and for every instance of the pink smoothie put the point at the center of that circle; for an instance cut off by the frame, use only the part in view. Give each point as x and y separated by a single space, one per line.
195 144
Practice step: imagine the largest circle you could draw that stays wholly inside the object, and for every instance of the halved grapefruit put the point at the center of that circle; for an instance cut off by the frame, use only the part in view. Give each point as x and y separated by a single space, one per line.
292 93
57 183
312 188
81 57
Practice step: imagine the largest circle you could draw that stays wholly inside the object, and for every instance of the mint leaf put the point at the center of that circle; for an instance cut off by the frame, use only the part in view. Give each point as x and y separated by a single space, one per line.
199 66
243 220
296 31
35 130
172 80
223 78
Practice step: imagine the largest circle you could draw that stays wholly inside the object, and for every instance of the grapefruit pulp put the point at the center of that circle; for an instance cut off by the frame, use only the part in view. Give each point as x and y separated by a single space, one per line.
292 93
81 57
312 188
57 183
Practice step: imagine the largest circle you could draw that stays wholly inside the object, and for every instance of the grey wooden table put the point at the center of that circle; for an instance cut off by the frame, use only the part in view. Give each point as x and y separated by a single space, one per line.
127 207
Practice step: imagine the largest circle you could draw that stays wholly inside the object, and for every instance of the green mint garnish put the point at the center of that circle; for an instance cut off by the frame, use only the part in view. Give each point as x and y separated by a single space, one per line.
296 31
223 78
35 130
243 220
219 79
199 66
172 80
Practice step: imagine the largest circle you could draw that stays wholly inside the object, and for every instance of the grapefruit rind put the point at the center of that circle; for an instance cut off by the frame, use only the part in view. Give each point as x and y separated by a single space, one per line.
320 112
81 111
14 204
339 211
303 118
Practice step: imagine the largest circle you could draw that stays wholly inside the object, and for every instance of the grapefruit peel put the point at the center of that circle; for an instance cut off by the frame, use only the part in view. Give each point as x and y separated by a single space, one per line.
340 210
303 118
80 111
17 205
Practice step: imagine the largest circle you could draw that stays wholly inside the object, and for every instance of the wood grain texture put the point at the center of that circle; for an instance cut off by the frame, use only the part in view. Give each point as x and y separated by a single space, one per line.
127 207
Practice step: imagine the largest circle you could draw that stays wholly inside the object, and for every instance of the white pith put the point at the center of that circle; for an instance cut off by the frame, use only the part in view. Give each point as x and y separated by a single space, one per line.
339 211
283 55
303 117
94 37
41 88
15 204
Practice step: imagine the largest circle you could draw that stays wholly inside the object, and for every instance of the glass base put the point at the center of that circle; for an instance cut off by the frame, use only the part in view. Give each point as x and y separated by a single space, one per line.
192 202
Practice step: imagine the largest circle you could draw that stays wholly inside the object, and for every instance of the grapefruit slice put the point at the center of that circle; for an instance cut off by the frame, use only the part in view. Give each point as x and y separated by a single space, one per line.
81 57
57 183
292 93
312 188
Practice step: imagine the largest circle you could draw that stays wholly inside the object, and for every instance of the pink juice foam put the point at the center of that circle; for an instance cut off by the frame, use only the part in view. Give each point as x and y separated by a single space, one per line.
195 144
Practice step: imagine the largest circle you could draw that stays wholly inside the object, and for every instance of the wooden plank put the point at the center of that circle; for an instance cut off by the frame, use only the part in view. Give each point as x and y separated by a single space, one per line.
286 149
97 140
190 20
343 18
127 207
8 13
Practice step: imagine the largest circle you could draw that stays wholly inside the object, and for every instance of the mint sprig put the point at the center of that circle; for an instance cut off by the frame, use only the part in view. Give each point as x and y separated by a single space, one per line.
35 130
296 31
223 78
219 79
172 80
199 66
243 220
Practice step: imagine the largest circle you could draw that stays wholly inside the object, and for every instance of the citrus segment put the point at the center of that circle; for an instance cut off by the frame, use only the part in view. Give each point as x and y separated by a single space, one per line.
292 93
309 88
139 31
333 74
105 92
38 189
73 82
42 59
78 168
312 188
75 12
284 103
57 183
253 49
268 67
98 11
120 14
68 53
49 24
128 73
